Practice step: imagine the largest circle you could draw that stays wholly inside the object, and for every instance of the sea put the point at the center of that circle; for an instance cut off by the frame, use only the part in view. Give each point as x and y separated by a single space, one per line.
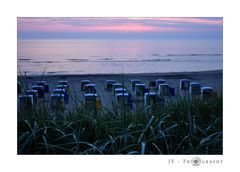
117 56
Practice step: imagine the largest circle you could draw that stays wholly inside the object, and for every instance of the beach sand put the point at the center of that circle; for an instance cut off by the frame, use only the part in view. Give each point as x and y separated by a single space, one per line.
206 78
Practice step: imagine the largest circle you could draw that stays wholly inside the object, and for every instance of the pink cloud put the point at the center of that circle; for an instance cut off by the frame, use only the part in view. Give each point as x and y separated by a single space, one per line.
58 25
175 20
126 25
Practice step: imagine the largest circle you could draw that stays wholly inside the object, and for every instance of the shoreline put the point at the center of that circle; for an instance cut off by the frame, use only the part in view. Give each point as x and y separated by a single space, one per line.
167 74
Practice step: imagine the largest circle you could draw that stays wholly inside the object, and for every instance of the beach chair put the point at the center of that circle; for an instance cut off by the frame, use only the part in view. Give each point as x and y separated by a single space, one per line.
109 85
152 86
120 90
117 85
59 91
66 90
163 89
19 87
44 84
195 88
150 99
63 82
90 100
184 84
66 87
121 99
62 91
40 90
83 83
57 102
25 102
90 88
134 82
34 94
159 81
206 92
139 90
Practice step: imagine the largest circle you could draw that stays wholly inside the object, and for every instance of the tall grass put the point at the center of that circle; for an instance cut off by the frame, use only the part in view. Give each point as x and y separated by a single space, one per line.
181 126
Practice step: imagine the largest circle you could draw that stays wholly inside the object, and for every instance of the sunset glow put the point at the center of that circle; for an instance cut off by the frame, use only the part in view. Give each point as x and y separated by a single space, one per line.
116 27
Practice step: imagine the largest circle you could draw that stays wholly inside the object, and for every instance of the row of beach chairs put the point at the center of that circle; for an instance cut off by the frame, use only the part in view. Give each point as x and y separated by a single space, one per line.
155 92
30 96
195 88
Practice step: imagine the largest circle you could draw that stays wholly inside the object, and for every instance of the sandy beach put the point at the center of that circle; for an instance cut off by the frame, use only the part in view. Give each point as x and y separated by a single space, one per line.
213 79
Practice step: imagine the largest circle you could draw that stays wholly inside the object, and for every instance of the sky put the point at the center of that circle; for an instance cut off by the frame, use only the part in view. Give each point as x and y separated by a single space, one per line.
119 28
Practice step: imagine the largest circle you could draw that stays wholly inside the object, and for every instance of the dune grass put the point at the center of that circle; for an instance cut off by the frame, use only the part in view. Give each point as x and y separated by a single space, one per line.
182 125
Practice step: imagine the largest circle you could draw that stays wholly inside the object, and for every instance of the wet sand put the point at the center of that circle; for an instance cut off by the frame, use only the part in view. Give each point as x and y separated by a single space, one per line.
206 78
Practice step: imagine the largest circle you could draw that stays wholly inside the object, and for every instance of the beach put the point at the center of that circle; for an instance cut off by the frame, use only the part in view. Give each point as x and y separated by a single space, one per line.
120 86
213 79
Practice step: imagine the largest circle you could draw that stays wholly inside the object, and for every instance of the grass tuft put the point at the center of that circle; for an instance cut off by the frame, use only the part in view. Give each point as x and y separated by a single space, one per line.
181 126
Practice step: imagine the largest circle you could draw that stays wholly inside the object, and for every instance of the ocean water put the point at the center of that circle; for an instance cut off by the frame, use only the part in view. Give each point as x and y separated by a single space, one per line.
83 56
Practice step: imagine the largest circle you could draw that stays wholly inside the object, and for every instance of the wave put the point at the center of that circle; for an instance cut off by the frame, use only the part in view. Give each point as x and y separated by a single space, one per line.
169 55
78 60
133 61
157 60
116 61
57 72
122 61
47 61
193 57
155 54
106 59
191 54
24 59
